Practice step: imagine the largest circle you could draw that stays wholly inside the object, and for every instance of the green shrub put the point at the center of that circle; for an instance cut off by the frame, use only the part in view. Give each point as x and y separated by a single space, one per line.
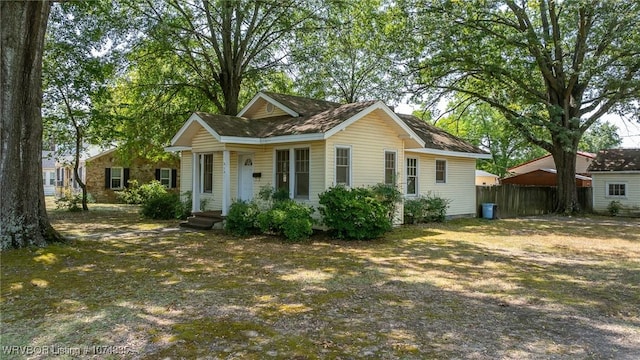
242 219
423 209
288 218
357 213
162 206
614 208
389 196
71 201
138 194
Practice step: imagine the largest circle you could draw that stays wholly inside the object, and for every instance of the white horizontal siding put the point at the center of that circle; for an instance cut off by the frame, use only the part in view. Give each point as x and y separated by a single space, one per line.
368 138
259 111
459 187
186 171
599 184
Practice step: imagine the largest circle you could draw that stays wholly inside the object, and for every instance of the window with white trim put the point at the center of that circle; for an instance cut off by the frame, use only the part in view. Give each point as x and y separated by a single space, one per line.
616 189
206 173
389 167
412 176
301 190
296 162
165 177
441 171
343 165
116 178
282 169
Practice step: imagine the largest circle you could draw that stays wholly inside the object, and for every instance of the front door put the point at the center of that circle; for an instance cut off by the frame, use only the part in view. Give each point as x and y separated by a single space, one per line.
245 177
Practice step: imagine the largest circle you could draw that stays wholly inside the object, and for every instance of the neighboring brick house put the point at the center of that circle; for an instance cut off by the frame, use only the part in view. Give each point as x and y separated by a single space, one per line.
106 174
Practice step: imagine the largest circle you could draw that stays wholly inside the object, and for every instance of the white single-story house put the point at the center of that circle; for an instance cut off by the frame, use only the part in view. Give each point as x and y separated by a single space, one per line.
615 176
485 178
306 146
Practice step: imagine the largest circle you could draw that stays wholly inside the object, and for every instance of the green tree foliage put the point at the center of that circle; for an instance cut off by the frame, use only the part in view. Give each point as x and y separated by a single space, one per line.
221 49
486 127
551 68
75 77
350 55
602 135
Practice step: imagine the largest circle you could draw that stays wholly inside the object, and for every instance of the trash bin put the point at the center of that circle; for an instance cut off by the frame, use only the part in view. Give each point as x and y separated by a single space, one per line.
487 210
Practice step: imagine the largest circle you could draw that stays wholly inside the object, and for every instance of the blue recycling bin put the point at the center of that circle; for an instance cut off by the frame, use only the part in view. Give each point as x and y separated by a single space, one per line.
487 210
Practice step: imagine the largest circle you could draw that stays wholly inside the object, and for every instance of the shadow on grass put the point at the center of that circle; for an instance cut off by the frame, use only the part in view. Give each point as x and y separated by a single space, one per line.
588 227
420 293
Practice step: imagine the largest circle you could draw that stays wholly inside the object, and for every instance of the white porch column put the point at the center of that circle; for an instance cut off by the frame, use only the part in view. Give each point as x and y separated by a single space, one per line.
226 181
195 186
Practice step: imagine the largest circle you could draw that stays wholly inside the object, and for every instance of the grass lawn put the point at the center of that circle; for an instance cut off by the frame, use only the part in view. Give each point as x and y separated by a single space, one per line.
123 287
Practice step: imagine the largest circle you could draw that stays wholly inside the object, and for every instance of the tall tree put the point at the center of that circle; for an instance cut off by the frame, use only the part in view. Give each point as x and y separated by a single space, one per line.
555 66
75 76
215 46
23 215
601 135
350 54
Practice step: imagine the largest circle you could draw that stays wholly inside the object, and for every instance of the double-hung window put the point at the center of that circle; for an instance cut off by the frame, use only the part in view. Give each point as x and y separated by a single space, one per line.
390 167
282 169
206 173
301 190
343 166
165 177
412 176
441 171
116 178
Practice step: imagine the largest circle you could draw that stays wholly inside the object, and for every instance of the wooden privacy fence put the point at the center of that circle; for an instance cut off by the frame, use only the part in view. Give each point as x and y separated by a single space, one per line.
519 200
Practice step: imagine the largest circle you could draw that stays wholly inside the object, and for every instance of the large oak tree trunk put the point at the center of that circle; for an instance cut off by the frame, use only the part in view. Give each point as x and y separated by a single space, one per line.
23 216
566 177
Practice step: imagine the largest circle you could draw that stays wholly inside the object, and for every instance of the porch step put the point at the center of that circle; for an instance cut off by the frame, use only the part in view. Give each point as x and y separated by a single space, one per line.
203 220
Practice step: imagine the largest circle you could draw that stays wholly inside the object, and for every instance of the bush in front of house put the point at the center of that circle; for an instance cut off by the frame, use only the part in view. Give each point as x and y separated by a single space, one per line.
162 206
242 218
288 218
272 212
429 208
614 208
358 213
136 194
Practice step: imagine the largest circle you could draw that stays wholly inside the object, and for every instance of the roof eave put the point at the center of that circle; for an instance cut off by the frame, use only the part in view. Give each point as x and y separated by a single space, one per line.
450 153
177 148
267 98
194 118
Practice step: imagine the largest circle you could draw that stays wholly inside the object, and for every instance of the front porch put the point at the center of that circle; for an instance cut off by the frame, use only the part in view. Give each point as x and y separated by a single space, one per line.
218 177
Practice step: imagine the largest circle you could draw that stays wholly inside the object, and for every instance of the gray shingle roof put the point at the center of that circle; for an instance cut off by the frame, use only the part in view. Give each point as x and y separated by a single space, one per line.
616 160
318 116
283 125
302 105
438 139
